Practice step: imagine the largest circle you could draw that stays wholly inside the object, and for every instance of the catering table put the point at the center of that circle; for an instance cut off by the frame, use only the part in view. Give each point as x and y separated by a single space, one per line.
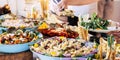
27 55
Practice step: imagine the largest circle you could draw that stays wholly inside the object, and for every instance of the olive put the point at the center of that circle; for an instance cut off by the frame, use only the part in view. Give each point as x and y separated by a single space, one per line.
3 40
82 44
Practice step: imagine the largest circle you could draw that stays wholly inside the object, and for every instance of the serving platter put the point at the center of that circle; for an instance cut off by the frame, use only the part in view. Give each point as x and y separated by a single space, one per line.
97 24
105 31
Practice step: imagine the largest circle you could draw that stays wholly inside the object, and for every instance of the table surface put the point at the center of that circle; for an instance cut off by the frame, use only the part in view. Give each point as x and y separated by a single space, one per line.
27 55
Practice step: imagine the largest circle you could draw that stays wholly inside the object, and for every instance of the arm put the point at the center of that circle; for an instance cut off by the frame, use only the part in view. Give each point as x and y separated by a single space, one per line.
80 2
64 3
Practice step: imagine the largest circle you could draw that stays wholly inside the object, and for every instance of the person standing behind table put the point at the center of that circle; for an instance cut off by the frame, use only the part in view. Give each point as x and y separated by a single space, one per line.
105 9
78 6
64 3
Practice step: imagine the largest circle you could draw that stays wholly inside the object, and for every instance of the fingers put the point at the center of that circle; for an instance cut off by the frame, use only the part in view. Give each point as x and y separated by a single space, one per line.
62 5
118 24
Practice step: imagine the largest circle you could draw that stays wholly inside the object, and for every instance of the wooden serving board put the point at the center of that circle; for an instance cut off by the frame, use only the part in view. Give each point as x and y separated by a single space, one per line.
27 55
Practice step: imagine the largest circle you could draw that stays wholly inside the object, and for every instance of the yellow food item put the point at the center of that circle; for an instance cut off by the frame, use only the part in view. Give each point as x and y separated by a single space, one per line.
118 45
118 48
94 46
98 29
62 37
22 26
53 53
44 25
36 37
36 45
17 41
97 56
83 33
6 42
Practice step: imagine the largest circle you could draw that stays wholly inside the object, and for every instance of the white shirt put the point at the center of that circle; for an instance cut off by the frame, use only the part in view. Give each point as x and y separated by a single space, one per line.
78 10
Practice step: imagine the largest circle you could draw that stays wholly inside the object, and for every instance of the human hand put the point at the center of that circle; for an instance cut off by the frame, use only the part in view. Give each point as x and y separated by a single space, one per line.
62 4
118 24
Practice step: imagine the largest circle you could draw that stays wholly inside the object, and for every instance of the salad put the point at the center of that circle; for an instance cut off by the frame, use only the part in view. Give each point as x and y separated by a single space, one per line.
63 47
18 37
94 22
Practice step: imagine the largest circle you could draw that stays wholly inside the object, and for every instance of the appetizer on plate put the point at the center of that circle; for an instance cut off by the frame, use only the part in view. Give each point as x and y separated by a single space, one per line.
96 24
56 30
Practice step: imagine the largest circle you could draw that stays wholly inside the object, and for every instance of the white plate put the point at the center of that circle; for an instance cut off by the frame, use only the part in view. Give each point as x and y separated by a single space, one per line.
105 31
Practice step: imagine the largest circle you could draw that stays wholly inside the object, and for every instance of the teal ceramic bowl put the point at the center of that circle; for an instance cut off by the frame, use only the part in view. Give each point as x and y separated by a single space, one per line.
16 48
45 57
2 29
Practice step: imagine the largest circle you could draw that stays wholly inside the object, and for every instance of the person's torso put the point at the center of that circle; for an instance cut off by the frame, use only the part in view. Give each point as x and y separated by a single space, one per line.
82 9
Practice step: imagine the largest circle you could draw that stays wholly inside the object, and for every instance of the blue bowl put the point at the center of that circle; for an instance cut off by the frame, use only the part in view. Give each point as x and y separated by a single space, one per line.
44 57
16 48
1 29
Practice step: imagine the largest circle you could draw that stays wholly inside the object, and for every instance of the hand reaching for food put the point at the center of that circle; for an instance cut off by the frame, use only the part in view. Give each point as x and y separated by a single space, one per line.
5 9
62 5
